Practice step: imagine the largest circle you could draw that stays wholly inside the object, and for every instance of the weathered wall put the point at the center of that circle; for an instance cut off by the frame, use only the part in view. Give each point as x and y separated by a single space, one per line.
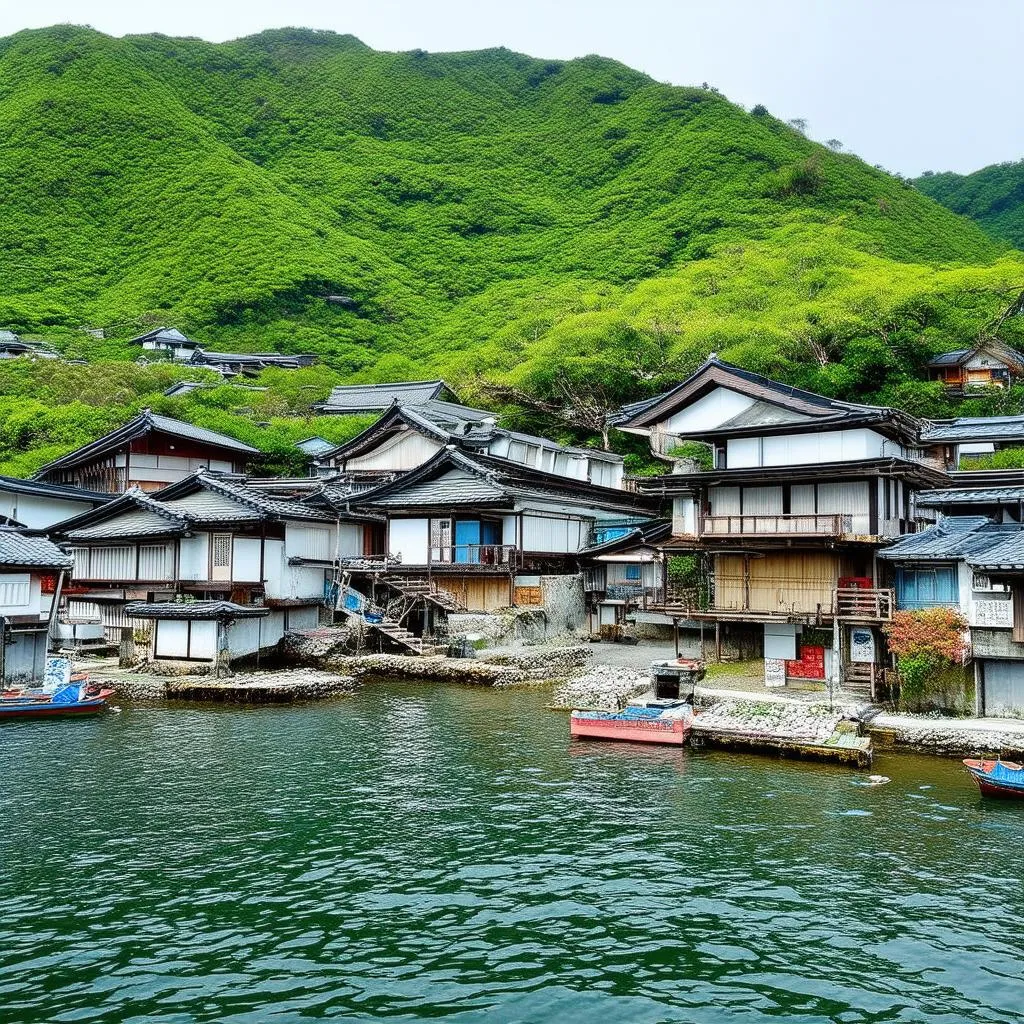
564 602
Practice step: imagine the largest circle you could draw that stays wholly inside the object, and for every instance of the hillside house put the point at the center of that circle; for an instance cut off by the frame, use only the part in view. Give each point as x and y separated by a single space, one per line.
968 438
168 340
32 570
485 530
803 492
35 505
149 452
988 364
360 399
406 437
249 364
205 539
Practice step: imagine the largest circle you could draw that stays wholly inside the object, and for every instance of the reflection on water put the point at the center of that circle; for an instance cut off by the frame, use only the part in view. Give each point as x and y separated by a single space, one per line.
420 851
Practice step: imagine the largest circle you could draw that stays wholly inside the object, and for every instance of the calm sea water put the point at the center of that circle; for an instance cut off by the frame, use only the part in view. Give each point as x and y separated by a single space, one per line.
442 852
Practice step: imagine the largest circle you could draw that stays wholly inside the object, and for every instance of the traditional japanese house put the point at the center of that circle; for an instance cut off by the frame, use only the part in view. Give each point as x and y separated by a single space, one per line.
968 439
359 399
207 539
486 530
149 452
35 505
249 364
168 340
406 437
32 571
797 495
988 364
624 573
976 565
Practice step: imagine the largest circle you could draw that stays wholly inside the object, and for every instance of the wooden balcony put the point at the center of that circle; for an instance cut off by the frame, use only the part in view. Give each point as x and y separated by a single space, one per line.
836 524
795 601
874 605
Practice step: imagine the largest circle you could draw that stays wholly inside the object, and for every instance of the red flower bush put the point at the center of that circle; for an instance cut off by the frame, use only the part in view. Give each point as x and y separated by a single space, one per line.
937 633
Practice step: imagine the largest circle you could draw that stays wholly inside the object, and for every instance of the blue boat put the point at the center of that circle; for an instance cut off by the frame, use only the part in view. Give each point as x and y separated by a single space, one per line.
997 778
73 699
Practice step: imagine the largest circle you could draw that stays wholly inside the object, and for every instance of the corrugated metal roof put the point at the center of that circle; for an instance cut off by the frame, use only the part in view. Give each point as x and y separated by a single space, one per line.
950 358
953 537
18 549
970 496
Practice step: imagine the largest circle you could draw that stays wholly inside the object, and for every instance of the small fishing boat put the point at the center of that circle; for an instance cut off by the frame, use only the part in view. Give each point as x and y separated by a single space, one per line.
997 778
79 697
655 722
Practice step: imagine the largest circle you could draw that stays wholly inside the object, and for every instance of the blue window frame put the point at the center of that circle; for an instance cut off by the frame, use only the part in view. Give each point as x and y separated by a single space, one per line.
633 572
929 587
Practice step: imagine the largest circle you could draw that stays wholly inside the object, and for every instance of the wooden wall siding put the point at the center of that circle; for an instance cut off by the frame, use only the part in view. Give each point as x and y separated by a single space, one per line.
477 594
155 562
528 596
402 451
779 582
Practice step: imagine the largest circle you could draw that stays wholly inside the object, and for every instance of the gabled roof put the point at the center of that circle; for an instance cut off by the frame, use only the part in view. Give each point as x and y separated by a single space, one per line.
959 356
975 428
168 335
821 412
143 424
256 359
64 492
8 336
314 445
638 536
952 538
200 500
351 398
18 549
479 479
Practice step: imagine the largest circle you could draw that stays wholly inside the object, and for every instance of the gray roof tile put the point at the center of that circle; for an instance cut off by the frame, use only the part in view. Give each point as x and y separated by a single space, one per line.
953 537
192 610
18 549
1008 554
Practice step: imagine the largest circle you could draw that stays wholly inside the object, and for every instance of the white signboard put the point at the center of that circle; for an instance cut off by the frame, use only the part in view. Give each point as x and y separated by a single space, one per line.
862 645
993 613
774 671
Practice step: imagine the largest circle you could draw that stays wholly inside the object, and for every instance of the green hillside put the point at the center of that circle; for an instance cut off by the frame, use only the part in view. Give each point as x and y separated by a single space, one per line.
555 228
993 196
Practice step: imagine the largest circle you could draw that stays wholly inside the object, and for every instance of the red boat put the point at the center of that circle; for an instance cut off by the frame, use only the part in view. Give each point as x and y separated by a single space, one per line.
75 699
997 778
659 722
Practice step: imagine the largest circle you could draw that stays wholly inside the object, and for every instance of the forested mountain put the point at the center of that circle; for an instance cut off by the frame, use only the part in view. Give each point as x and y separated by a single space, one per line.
554 228
993 196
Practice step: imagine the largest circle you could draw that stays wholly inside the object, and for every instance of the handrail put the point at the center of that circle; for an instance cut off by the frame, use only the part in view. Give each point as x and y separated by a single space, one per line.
828 524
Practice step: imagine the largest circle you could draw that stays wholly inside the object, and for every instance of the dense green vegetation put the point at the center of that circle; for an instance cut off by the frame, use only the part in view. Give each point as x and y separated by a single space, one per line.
528 229
993 196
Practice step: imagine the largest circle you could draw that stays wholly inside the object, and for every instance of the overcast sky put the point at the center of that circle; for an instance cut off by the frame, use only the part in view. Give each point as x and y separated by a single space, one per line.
910 84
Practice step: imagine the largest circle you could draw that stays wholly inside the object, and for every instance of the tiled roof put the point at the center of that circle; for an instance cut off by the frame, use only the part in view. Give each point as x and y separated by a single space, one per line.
45 490
647 533
374 397
140 522
950 358
166 334
451 489
1008 554
970 496
314 445
192 610
976 428
18 549
138 427
263 505
953 537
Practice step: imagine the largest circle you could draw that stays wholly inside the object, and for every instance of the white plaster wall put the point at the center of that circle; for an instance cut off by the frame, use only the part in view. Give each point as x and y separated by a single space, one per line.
194 557
245 560
706 413
38 513
409 538
274 567
404 451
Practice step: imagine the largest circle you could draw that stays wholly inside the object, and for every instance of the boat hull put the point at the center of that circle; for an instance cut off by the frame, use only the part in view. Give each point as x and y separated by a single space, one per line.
44 709
672 732
1002 786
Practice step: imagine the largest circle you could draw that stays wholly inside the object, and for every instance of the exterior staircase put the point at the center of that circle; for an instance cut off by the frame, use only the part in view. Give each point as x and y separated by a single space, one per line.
398 635
857 679
418 588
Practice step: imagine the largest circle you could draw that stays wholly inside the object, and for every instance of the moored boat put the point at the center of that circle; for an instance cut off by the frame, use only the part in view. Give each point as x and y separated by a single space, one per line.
75 698
997 778
658 722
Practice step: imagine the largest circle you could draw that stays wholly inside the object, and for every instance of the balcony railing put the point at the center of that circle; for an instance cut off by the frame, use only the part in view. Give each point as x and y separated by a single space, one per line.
635 593
805 600
497 556
806 525
854 603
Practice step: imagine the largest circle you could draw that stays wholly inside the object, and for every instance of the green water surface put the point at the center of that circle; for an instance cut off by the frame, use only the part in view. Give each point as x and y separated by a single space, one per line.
426 851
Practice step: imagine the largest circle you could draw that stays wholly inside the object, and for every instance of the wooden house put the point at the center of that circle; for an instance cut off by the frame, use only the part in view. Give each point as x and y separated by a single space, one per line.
406 437
32 570
801 493
149 452
985 365
969 438
484 529
206 539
